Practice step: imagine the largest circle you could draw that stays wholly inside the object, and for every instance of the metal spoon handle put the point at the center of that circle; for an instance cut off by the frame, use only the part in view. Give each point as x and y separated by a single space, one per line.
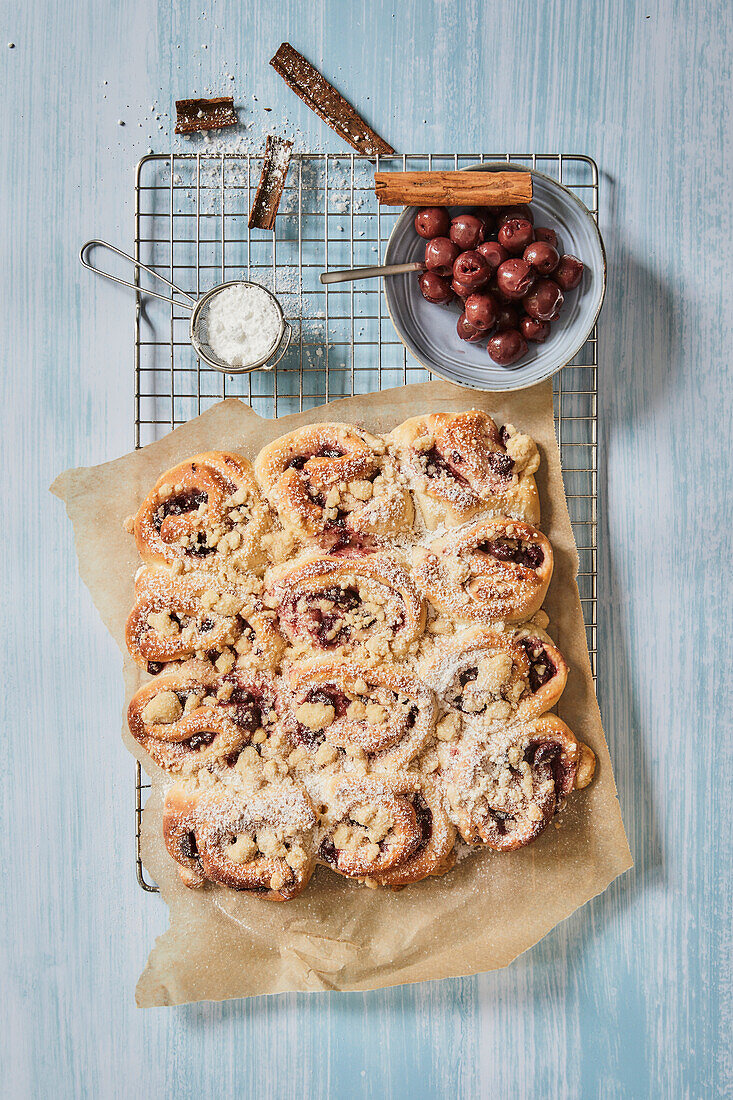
188 304
351 274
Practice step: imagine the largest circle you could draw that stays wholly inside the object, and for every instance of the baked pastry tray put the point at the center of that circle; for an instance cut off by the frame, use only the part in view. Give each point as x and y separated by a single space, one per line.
191 226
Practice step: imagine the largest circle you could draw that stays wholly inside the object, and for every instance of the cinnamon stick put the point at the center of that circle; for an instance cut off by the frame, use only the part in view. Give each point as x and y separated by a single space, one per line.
453 188
204 114
328 104
272 181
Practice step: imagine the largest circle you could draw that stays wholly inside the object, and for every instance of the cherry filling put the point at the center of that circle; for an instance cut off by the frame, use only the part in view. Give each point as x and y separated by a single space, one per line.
246 629
247 713
468 676
188 846
299 461
503 435
200 549
319 500
501 818
514 550
548 754
500 464
331 697
189 501
541 668
200 740
327 851
436 465
346 544
424 821
344 600
540 752
154 667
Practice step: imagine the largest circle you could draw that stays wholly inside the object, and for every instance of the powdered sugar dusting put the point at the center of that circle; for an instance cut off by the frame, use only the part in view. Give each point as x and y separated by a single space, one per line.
243 325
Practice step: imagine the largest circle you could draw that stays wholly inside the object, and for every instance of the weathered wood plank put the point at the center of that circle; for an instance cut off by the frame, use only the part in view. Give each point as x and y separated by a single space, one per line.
630 997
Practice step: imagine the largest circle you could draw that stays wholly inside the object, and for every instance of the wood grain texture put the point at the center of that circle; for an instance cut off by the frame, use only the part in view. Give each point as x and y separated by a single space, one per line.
631 996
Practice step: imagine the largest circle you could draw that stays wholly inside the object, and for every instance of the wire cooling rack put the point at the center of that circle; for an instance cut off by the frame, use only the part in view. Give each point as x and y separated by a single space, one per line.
191 226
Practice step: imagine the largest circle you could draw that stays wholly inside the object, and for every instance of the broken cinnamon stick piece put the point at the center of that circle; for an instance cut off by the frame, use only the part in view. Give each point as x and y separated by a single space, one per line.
453 188
204 114
272 181
328 104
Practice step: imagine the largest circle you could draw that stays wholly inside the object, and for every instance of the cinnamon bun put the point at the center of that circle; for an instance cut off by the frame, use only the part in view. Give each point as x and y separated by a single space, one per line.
386 830
336 484
459 465
435 853
503 788
202 512
495 676
365 606
189 718
199 614
492 570
262 841
381 714
306 707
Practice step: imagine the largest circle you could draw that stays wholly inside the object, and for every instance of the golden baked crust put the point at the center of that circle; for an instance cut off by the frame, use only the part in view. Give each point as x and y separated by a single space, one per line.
435 852
176 617
335 484
497 676
332 685
492 570
460 465
382 714
504 788
203 511
387 831
363 605
264 842
191 717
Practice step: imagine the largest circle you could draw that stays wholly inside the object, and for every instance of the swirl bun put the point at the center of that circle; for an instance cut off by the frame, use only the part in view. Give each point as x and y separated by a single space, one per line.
189 718
202 512
376 828
460 465
494 569
198 614
382 714
503 789
335 484
435 852
366 605
498 677
264 842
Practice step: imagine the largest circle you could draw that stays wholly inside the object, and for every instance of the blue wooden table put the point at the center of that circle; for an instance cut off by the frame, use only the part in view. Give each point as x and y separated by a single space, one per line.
631 996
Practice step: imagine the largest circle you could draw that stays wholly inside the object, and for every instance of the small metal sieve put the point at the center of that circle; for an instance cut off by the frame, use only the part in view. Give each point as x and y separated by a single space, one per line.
198 329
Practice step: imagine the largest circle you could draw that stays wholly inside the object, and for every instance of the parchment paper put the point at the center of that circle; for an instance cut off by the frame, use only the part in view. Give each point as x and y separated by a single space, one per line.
339 935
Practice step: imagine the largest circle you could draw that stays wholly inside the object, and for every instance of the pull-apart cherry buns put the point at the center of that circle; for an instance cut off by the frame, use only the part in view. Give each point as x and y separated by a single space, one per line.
350 665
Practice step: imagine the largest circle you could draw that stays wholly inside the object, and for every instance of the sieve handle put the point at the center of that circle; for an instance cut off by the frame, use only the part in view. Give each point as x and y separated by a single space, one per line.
85 248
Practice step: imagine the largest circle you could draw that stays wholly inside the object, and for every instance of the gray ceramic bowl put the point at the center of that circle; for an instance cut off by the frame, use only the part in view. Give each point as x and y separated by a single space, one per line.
429 331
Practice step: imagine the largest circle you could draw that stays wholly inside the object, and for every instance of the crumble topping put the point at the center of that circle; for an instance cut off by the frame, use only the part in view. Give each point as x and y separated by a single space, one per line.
163 708
370 687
